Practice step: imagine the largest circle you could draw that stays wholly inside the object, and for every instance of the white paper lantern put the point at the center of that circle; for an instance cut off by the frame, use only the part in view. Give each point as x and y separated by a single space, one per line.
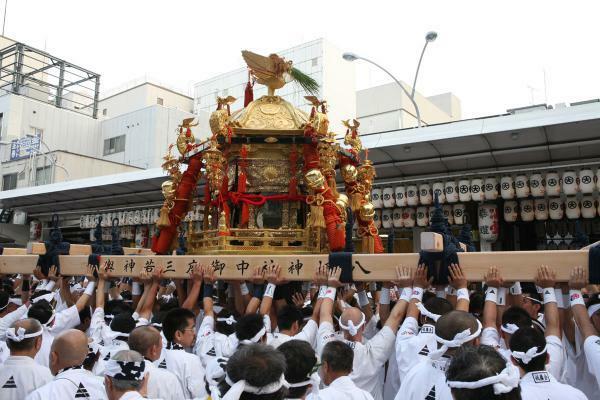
130 218
408 217
522 186
155 215
400 192
422 216
397 218
82 222
490 188
425 197
555 208
137 217
430 212
588 207
144 216
464 190
376 198
451 191
412 195
448 213
488 222
459 211
511 211
377 218
597 179
527 213
570 183
552 184
386 218
389 200
92 235
537 185
541 209
586 181
477 189
507 188
438 188
572 208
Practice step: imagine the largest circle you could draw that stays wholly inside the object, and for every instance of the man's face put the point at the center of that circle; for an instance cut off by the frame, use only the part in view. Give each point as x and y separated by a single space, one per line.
532 307
187 337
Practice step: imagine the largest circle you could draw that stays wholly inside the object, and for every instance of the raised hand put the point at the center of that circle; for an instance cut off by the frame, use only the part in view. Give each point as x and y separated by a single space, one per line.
457 278
298 299
420 279
209 274
493 277
578 279
404 276
333 277
273 274
546 277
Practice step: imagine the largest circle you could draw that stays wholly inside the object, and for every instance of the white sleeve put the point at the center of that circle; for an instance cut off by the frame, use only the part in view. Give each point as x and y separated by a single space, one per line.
66 319
382 344
10 318
325 335
591 348
408 329
267 322
195 378
490 337
555 350
371 327
205 332
308 333
97 323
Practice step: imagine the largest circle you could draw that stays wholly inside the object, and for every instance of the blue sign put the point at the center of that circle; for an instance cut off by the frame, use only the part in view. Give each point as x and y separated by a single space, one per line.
24 147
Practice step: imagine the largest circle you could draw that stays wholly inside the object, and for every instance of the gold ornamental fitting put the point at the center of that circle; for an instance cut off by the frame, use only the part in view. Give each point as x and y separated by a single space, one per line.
367 212
168 189
315 179
349 173
342 201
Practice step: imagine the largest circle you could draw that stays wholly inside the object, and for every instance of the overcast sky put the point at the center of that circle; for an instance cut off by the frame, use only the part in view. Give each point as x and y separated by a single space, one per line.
492 55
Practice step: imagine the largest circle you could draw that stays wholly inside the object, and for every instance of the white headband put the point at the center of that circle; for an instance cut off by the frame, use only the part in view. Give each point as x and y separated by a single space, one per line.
229 320
459 339
76 288
15 300
593 308
18 335
426 313
509 328
504 382
529 355
239 387
314 380
256 338
4 306
48 297
125 370
351 328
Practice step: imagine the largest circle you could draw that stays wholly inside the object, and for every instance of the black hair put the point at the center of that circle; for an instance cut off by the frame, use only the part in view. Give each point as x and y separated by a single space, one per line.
259 366
166 305
438 306
286 317
529 290
4 297
85 313
114 307
176 320
248 326
518 316
339 356
39 293
300 360
222 326
525 339
32 325
157 319
471 364
476 303
123 323
41 310
427 295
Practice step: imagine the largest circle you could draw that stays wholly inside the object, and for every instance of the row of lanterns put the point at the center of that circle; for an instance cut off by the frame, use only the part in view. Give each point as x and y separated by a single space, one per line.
553 208
132 218
480 189
409 217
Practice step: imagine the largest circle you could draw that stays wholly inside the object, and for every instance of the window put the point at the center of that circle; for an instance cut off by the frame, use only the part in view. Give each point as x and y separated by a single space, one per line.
36 131
9 181
104 111
43 175
315 62
160 101
114 145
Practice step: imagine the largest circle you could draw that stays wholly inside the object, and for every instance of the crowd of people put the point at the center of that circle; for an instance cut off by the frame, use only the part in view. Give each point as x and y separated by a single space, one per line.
101 337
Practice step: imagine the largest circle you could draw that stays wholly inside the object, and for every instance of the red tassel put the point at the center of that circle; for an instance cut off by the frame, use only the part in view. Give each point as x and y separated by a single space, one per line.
242 177
249 92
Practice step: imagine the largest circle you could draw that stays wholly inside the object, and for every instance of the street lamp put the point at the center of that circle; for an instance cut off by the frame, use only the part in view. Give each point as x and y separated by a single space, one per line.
429 37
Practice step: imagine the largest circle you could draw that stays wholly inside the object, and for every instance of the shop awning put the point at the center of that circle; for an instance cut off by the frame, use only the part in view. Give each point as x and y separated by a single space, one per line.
521 140
135 189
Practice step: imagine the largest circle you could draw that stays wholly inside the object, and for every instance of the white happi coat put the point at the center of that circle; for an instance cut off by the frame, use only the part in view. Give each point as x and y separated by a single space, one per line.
162 384
578 373
343 388
426 380
211 344
187 368
20 375
71 384
65 319
369 357
591 348
413 345
307 334
541 385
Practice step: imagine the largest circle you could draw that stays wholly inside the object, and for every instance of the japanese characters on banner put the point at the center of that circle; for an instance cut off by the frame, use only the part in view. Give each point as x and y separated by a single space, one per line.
488 222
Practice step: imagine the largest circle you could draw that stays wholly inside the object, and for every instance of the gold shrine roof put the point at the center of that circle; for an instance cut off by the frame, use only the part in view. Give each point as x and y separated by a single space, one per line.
269 114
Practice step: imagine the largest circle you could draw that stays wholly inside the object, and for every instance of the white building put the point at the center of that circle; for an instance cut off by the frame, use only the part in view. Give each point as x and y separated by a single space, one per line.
318 59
